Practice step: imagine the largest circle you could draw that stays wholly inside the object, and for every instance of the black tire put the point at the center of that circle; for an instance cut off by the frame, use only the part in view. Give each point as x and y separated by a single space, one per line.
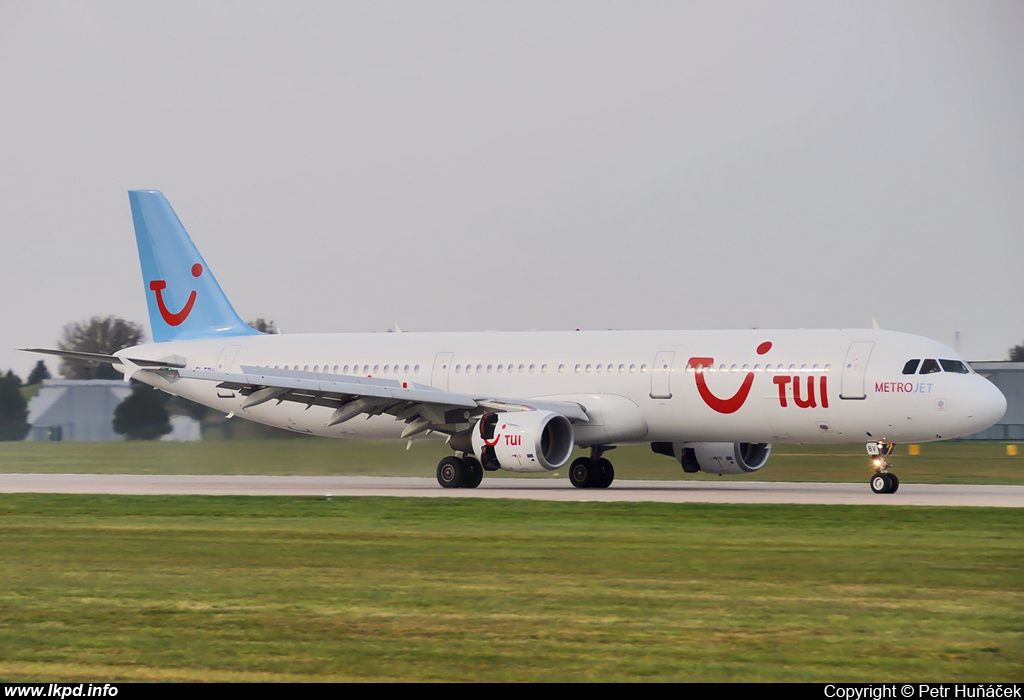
894 483
451 472
605 474
880 483
473 473
581 472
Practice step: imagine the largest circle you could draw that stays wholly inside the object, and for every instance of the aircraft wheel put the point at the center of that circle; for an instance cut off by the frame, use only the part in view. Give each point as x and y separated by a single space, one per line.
605 474
894 483
880 483
451 472
581 472
473 473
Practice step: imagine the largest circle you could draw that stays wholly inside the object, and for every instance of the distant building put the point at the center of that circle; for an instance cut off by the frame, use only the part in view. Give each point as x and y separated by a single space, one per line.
83 411
76 410
1009 377
183 429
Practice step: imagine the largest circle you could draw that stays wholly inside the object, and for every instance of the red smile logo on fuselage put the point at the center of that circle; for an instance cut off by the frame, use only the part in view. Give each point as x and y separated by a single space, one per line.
734 402
175 319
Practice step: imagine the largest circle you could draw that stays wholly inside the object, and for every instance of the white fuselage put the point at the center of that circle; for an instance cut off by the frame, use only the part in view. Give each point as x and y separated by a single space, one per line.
811 386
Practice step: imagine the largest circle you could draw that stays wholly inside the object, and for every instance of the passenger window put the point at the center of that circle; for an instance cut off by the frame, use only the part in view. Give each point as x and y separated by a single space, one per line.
930 367
954 366
911 366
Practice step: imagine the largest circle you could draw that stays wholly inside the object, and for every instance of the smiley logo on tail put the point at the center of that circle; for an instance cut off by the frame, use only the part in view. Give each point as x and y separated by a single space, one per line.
171 318
734 402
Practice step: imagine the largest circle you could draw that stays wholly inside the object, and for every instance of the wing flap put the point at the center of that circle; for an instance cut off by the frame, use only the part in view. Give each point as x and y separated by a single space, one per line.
330 386
421 406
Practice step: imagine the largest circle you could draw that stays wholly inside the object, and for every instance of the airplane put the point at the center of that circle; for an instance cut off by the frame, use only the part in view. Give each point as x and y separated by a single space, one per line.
715 401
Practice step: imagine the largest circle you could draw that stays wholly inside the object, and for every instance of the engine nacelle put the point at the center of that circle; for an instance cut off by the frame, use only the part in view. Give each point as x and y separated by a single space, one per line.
717 457
523 441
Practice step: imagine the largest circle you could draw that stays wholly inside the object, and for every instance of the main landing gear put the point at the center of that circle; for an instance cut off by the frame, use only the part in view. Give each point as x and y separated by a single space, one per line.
883 481
593 472
459 472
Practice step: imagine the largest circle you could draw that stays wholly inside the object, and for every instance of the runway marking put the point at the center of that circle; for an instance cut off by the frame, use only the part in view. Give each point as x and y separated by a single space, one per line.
1003 496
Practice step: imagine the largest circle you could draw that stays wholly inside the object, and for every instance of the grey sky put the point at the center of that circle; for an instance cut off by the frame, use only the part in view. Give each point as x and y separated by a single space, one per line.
460 166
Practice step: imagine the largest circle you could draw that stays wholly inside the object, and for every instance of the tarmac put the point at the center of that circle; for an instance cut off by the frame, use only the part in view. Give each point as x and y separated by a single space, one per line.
1001 496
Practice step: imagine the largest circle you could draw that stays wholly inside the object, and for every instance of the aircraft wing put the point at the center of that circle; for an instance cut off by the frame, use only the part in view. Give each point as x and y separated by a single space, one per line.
421 407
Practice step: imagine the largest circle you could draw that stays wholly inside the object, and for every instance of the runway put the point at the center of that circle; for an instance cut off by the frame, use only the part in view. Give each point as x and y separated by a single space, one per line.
529 489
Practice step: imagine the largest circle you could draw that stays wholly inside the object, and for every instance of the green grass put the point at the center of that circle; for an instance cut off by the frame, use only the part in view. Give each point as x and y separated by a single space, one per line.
957 462
234 588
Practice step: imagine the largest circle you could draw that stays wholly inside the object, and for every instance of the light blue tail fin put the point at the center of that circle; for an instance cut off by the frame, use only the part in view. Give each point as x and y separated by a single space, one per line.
183 297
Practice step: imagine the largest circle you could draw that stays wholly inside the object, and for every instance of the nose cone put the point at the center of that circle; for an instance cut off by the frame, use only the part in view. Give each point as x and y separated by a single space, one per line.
989 405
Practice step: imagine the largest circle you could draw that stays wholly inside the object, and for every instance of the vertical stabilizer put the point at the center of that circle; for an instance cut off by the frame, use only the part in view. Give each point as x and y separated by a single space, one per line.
183 296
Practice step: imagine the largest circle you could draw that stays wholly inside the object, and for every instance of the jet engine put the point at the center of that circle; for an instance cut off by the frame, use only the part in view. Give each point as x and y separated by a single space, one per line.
716 457
523 441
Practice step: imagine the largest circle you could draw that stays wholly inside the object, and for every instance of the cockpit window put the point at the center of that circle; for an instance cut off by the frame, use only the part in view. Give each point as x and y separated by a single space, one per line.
930 367
911 366
955 366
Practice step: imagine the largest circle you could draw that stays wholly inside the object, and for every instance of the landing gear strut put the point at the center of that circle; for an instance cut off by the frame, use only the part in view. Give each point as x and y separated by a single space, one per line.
455 472
883 481
594 472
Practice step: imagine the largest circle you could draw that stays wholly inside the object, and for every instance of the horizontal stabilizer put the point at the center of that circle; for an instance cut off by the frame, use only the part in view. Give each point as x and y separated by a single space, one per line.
171 362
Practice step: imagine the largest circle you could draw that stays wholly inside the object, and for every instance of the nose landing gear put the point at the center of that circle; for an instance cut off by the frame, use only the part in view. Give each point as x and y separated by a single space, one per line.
883 481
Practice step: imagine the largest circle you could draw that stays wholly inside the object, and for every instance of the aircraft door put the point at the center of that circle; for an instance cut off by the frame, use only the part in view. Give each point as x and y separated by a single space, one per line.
661 375
226 360
442 366
854 368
